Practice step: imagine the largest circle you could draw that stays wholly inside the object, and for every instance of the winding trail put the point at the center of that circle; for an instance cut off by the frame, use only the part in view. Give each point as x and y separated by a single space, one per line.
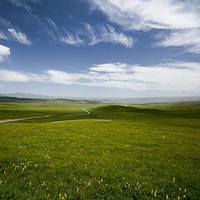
18 119
24 118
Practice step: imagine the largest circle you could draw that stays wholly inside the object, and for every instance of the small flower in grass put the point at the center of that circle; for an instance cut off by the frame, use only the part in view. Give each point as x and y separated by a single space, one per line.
155 193
30 183
185 190
178 197
89 183
60 196
179 188
1 182
151 191
167 197
173 180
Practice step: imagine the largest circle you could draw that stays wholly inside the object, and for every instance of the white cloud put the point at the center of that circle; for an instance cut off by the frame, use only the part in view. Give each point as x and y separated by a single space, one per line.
190 39
107 34
87 35
182 18
14 76
144 15
168 76
110 67
71 39
93 35
20 37
4 52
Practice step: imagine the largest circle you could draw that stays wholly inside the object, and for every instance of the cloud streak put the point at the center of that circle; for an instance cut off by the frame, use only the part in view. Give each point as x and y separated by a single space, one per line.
107 34
189 39
180 18
145 15
19 37
87 35
10 34
169 76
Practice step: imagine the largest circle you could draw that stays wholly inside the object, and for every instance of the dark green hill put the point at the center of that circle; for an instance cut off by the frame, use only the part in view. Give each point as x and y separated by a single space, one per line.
116 108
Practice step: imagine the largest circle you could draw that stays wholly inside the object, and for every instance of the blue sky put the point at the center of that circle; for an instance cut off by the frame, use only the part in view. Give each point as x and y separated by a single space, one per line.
100 48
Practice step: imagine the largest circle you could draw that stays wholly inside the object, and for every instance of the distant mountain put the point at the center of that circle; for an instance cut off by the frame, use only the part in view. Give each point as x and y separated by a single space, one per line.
108 100
5 99
29 95
153 99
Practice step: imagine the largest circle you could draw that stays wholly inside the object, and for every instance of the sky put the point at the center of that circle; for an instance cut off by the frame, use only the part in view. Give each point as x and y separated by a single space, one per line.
100 48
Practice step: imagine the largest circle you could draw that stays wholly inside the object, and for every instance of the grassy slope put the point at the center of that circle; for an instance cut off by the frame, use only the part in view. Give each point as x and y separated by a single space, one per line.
117 159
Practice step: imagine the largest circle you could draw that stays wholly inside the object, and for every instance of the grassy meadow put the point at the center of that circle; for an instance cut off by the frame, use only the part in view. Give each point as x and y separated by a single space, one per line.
148 151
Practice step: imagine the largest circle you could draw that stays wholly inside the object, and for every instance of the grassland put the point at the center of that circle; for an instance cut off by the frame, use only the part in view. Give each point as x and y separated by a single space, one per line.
146 151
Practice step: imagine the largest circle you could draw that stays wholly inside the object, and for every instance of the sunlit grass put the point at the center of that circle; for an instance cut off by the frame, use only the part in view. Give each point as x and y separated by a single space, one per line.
156 157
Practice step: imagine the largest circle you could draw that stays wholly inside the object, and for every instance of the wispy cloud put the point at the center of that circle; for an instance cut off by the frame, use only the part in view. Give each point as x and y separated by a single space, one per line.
144 15
71 39
3 36
20 3
19 37
168 76
190 39
88 35
4 52
107 34
180 18
5 23
10 34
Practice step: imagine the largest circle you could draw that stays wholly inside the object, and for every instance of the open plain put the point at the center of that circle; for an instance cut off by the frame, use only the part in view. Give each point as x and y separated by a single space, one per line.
148 151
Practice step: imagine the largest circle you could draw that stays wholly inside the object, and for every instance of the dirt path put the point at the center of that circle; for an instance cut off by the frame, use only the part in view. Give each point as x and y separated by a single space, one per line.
18 119
24 118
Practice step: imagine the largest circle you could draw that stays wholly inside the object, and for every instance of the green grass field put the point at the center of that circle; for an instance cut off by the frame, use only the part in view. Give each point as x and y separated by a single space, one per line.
149 151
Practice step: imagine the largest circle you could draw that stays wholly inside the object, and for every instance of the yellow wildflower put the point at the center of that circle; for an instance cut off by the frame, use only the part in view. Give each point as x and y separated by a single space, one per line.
173 180
155 193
